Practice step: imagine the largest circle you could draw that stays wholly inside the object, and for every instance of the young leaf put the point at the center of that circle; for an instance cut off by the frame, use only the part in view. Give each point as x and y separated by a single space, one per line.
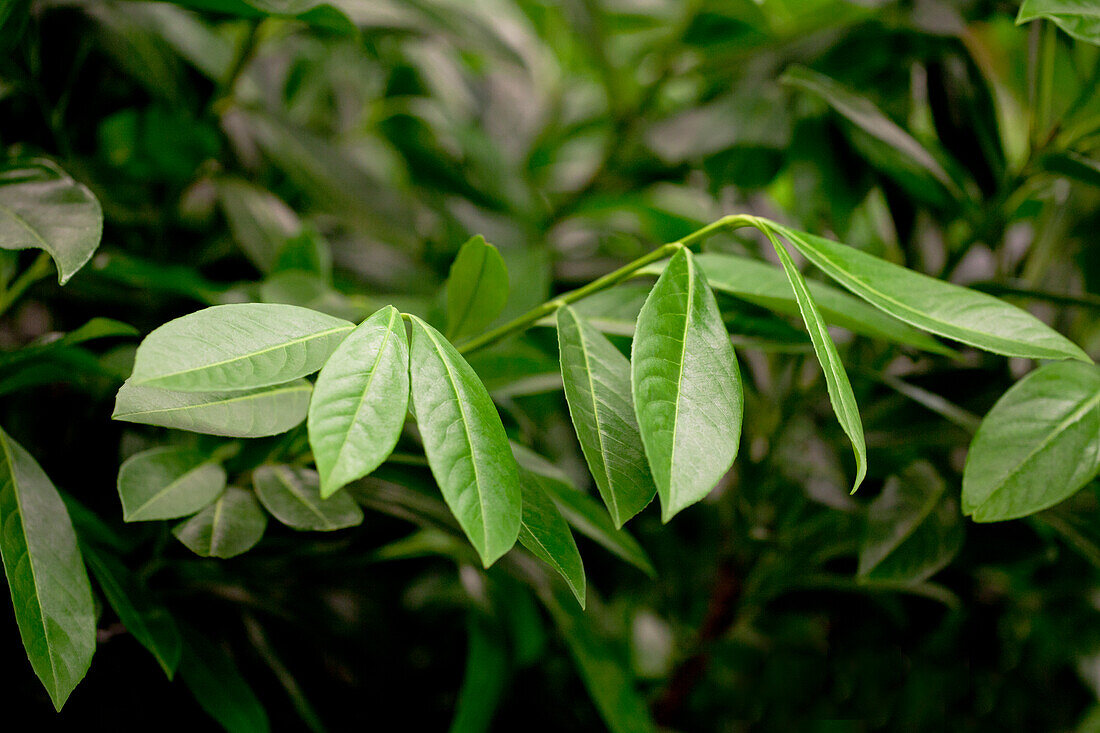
166 483
942 308
42 207
211 675
1037 446
546 534
238 346
766 285
139 612
477 288
597 389
485 677
1078 18
913 527
686 386
293 496
360 401
465 443
49 586
226 528
836 379
582 512
250 413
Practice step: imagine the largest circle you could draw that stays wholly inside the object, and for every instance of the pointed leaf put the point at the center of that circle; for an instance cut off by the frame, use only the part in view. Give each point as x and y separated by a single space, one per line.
42 207
293 496
1078 18
360 401
1037 446
942 308
477 288
166 483
230 526
49 586
597 389
546 534
686 385
836 379
250 413
465 443
137 609
913 527
238 346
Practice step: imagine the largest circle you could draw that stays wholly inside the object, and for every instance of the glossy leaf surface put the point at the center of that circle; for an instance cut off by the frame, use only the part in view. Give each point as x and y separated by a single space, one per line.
166 483
293 496
226 528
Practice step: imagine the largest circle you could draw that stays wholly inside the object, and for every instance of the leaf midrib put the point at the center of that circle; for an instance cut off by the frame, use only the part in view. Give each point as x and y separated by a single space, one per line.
690 293
171 485
241 398
280 475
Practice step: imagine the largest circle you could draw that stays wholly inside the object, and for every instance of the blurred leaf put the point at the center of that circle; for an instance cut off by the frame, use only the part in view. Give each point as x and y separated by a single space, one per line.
485 677
247 414
546 534
315 12
1078 18
41 207
477 289
96 328
1073 165
137 609
293 496
913 527
166 483
49 586
1037 446
230 526
212 676
259 220
686 386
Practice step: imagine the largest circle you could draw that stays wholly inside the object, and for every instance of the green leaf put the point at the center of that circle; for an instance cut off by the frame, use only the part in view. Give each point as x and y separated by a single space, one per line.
686 386
212 676
766 285
597 389
1074 165
913 527
485 677
137 609
315 12
1037 446
250 413
360 401
1078 18
836 379
166 483
546 534
258 220
886 145
42 207
230 526
238 346
477 288
293 496
465 443
602 668
940 307
582 512
49 585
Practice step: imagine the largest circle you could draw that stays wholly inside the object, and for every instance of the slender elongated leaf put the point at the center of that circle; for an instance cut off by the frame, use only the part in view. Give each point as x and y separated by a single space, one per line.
1074 165
139 612
465 443
212 676
582 512
360 401
166 483
913 527
49 585
766 285
546 534
477 288
686 386
42 207
315 12
1037 446
485 677
597 389
836 379
250 413
226 528
293 496
1078 18
238 346
940 307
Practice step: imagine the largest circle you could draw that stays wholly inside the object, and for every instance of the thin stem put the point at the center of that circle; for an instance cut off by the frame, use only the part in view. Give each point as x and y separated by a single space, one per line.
38 269
525 321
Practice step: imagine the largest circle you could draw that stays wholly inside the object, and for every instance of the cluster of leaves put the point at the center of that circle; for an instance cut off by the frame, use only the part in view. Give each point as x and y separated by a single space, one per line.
327 162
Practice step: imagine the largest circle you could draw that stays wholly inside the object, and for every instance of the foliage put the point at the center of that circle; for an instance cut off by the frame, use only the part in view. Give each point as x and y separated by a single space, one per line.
437 298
